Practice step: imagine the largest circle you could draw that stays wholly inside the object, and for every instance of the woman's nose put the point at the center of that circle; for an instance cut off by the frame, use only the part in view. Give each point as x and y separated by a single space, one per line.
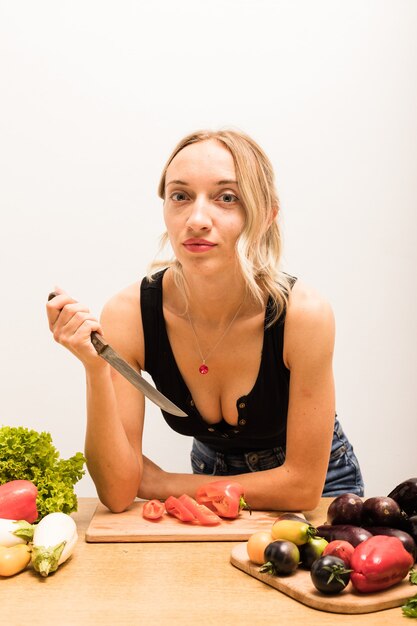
199 216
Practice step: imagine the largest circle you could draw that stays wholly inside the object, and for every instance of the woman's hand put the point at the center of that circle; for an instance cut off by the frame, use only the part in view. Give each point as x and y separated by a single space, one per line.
71 324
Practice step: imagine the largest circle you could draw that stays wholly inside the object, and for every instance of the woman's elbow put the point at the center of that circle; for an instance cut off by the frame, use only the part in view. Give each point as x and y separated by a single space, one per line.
304 494
115 504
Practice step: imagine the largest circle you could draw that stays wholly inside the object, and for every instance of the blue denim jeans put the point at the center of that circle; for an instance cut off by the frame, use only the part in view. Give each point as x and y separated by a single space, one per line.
343 474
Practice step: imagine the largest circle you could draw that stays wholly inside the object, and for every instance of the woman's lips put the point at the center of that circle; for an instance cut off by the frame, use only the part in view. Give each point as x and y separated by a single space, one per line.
198 245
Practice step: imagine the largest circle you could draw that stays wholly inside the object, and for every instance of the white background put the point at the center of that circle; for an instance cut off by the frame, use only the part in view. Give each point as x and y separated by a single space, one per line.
95 94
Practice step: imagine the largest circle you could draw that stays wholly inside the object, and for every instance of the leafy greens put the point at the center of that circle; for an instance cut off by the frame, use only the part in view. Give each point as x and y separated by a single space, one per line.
29 455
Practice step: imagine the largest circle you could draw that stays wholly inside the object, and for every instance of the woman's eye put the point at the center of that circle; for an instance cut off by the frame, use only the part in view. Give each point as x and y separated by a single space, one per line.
178 196
229 198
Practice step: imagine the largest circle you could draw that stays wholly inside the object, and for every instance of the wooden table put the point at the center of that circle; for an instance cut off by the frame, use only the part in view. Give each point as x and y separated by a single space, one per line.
158 584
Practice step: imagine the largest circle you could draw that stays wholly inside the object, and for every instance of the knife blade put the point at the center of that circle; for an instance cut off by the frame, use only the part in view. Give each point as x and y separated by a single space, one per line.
110 355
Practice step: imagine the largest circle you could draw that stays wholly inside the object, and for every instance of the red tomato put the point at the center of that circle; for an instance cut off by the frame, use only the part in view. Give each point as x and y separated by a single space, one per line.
176 508
200 512
341 549
153 509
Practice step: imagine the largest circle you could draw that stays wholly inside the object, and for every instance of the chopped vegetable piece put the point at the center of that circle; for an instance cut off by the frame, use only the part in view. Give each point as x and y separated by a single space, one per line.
153 509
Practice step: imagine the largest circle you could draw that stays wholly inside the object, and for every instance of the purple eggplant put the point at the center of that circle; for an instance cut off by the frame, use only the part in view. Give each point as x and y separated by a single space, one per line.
345 509
411 527
405 495
382 511
405 538
345 532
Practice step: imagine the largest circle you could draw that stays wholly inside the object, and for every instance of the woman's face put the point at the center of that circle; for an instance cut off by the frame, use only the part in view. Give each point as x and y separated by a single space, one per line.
202 209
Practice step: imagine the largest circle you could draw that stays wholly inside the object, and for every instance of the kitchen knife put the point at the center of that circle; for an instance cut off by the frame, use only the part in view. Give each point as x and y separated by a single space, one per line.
135 378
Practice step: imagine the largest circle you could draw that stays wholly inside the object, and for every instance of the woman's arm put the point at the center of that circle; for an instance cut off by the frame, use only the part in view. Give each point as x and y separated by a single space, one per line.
114 408
298 483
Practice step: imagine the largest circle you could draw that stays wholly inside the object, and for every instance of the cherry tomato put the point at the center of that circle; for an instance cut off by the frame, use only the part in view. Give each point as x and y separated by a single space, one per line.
282 558
341 549
256 546
293 530
311 551
153 509
329 574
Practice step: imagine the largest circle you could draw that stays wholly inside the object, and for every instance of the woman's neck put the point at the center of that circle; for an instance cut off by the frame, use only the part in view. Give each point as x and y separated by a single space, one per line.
212 300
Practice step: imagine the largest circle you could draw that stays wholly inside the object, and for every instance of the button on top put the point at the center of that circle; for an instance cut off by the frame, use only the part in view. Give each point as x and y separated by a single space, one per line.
242 405
211 430
191 402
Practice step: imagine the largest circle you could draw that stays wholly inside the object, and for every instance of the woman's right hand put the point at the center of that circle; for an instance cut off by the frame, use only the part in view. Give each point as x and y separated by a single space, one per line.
71 324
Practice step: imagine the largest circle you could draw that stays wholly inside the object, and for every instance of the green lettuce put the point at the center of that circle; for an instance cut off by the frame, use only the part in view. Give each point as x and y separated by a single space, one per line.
29 455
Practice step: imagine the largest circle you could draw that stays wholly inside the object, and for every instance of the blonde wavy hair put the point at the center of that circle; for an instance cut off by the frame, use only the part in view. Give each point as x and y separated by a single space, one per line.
259 246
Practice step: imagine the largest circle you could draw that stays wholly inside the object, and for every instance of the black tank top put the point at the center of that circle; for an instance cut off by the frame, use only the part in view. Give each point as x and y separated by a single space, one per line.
262 412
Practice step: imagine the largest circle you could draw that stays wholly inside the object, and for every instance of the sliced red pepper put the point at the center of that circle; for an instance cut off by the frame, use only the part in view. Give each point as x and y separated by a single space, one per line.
200 512
18 500
379 563
153 509
177 509
224 497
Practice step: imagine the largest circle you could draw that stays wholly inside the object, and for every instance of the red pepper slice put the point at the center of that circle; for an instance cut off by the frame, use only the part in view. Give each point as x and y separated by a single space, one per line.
379 563
224 497
177 509
18 500
153 509
201 512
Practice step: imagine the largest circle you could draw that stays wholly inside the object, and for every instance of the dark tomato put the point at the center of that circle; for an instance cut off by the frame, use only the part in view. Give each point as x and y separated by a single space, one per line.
282 558
329 574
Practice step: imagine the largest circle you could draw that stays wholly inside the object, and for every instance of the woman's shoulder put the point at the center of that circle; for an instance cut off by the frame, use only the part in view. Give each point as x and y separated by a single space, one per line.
122 321
305 302
309 322
125 302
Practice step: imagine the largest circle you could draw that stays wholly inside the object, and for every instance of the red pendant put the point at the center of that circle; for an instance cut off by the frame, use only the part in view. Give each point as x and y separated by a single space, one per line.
203 369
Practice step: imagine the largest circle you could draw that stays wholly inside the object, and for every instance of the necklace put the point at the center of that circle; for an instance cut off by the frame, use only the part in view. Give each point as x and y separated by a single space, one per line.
203 369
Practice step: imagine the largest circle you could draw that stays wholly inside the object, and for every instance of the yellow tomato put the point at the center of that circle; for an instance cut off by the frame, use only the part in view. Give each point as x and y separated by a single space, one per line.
14 560
293 530
256 546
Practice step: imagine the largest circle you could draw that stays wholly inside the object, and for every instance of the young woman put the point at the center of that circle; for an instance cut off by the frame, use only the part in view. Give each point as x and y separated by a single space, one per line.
243 348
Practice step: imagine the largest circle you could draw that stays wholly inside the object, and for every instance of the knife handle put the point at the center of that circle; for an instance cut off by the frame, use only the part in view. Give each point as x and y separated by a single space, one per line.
97 340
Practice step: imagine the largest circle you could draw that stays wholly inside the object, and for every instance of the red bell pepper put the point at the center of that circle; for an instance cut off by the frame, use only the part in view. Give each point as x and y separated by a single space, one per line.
18 500
153 509
378 563
224 497
200 511
177 509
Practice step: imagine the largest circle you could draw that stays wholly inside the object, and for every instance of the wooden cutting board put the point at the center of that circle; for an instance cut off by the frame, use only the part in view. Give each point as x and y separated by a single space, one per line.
300 587
131 526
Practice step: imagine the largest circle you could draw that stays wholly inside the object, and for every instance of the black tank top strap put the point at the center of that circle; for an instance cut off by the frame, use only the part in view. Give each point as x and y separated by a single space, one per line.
151 303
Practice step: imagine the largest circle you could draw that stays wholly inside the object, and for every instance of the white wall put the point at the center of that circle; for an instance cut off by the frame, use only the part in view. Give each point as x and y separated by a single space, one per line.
95 94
